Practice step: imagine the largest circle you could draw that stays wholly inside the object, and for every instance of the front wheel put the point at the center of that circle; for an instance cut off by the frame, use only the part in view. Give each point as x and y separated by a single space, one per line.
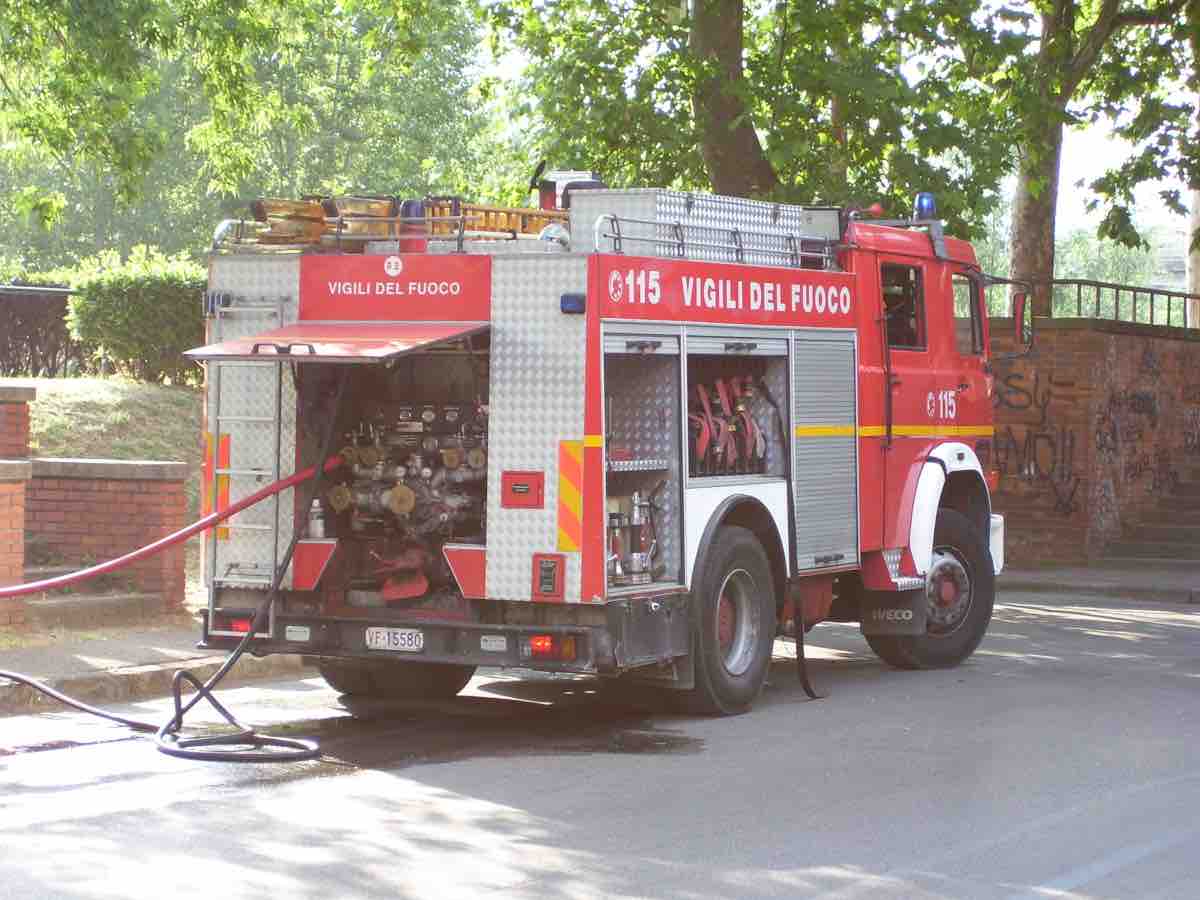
960 590
733 624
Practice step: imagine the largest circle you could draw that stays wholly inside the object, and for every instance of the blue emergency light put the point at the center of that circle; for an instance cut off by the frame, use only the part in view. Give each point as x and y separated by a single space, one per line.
924 207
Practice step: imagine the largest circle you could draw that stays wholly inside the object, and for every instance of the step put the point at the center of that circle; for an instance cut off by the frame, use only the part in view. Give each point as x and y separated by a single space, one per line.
1155 550
1167 528
1179 506
1146 563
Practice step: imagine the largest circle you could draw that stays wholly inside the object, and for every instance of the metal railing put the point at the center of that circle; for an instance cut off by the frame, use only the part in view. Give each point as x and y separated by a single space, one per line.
711 242
1086 298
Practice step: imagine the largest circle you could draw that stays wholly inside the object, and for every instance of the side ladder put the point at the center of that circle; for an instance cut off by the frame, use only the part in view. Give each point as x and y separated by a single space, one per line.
251 417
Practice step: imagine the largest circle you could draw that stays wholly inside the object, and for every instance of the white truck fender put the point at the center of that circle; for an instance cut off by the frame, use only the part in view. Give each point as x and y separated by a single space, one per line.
943 461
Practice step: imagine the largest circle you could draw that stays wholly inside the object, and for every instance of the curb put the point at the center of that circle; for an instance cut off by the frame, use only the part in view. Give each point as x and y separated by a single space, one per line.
147 682
1105 588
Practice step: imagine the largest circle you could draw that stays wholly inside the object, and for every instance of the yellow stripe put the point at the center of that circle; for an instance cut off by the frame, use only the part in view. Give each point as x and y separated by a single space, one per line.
569 496
898 430
593 440
824 431
944 430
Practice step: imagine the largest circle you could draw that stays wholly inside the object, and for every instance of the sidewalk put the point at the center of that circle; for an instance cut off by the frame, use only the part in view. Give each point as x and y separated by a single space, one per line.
118 664
1166 581
109 665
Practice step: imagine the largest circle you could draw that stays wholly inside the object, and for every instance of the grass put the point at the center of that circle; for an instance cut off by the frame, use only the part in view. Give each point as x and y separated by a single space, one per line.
113 418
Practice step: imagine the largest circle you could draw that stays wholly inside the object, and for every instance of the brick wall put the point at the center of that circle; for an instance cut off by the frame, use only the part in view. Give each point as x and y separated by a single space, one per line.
1092 429
95 510
14 475
14 421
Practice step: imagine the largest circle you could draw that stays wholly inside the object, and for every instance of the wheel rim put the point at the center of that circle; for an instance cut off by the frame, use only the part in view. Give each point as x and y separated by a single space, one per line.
948 591
737 624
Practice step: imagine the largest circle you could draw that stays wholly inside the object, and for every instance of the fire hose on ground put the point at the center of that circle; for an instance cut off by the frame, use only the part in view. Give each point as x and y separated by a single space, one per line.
243 744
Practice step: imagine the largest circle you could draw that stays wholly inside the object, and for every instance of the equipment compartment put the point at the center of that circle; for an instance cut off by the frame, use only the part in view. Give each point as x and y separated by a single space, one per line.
414 437
642 459
736 414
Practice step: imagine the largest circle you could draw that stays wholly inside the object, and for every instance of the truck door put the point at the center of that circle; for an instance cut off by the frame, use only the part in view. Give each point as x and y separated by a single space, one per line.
969 373
909 384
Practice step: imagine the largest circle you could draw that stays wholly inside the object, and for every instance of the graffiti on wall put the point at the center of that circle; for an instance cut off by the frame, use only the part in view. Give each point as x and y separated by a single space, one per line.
1042 452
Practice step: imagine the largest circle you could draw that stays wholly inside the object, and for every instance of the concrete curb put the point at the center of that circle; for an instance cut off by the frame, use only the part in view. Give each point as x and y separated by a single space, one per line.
148 682
1103 588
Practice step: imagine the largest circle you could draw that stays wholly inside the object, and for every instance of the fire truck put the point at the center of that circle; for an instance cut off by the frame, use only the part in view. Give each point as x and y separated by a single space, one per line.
630 433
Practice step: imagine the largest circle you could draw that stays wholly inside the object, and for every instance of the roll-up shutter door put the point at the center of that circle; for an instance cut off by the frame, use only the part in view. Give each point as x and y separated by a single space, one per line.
825 449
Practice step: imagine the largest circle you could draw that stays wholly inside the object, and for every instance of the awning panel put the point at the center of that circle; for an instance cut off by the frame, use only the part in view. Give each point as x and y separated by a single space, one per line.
369 342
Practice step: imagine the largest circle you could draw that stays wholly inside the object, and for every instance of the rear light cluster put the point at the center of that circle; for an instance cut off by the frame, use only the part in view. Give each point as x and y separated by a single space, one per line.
548 646
236 622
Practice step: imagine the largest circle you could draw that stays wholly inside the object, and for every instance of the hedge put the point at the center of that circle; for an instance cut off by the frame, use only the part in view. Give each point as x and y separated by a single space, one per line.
141 314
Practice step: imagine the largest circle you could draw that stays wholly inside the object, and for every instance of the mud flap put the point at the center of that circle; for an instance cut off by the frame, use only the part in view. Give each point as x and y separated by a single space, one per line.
894 612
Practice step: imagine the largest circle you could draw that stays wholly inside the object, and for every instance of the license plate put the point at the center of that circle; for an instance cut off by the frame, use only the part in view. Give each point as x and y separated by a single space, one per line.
401 640
493 643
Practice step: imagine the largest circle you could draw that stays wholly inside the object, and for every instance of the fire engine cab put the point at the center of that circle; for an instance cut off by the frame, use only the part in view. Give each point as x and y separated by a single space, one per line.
637 437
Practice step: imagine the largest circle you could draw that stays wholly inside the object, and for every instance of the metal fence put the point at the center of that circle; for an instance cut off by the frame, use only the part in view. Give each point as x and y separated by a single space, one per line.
1084 298
34 339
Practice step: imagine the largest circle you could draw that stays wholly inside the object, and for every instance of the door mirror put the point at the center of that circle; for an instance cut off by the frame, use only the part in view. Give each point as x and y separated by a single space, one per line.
1019 303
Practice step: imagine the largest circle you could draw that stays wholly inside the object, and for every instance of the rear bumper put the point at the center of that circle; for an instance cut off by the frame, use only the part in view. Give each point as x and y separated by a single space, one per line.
636 633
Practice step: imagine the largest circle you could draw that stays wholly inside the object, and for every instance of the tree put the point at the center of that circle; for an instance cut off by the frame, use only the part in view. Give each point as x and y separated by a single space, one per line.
832 100
1059 62
340 107
75 75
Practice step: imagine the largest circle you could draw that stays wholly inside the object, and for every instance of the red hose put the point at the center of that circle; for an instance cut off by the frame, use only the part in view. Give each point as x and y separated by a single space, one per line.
50 584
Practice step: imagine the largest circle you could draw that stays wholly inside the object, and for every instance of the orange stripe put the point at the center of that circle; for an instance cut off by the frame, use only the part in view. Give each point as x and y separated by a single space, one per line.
206 478
222 480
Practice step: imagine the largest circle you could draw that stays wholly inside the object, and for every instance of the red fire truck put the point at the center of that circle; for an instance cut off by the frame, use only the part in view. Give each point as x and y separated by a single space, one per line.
638 437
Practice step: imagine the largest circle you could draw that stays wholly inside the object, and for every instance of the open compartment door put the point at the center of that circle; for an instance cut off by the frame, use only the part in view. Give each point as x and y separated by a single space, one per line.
368 342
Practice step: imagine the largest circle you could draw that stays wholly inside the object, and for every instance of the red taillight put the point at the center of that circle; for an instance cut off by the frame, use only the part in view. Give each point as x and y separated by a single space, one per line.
549 646
240 625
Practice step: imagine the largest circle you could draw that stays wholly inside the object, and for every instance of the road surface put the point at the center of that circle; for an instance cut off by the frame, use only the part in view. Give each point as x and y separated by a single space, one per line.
1061 761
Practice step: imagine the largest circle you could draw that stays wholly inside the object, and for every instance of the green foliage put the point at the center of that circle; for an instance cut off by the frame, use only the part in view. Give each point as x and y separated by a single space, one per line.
833 88
342 99
142 313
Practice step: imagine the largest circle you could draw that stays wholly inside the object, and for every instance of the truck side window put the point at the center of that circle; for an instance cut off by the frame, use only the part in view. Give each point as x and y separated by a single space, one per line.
904 305
968 335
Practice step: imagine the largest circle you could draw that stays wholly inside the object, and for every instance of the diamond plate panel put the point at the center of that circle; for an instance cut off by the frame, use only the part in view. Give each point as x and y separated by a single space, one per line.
643 414
825 466
707 219
536 400
255 404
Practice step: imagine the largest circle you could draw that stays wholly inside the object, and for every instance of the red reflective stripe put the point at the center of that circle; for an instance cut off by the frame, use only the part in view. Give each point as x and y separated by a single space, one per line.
592 551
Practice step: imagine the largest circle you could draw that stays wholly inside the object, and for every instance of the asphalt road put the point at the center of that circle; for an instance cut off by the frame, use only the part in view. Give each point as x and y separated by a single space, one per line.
1061 761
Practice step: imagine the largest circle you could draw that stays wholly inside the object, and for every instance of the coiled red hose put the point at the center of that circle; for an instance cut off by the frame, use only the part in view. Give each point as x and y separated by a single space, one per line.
61 581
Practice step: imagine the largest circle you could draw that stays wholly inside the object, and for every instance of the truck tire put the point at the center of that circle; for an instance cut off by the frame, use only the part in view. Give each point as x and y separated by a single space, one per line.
733 624
960 589
395 680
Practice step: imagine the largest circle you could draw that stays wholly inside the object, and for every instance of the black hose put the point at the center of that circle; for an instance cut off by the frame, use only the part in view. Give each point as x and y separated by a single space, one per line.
289 749
798 607
244 744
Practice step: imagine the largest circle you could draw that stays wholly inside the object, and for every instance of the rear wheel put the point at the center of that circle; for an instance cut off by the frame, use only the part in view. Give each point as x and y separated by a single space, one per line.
733 624
393 680
960 589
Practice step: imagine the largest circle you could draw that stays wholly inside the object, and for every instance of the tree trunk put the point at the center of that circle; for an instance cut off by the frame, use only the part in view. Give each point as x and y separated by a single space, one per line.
1032 237
732 153
1193 237
1193 268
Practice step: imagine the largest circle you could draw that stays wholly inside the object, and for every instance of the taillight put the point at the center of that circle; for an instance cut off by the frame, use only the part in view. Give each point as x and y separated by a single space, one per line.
549 646
241 626
992 476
